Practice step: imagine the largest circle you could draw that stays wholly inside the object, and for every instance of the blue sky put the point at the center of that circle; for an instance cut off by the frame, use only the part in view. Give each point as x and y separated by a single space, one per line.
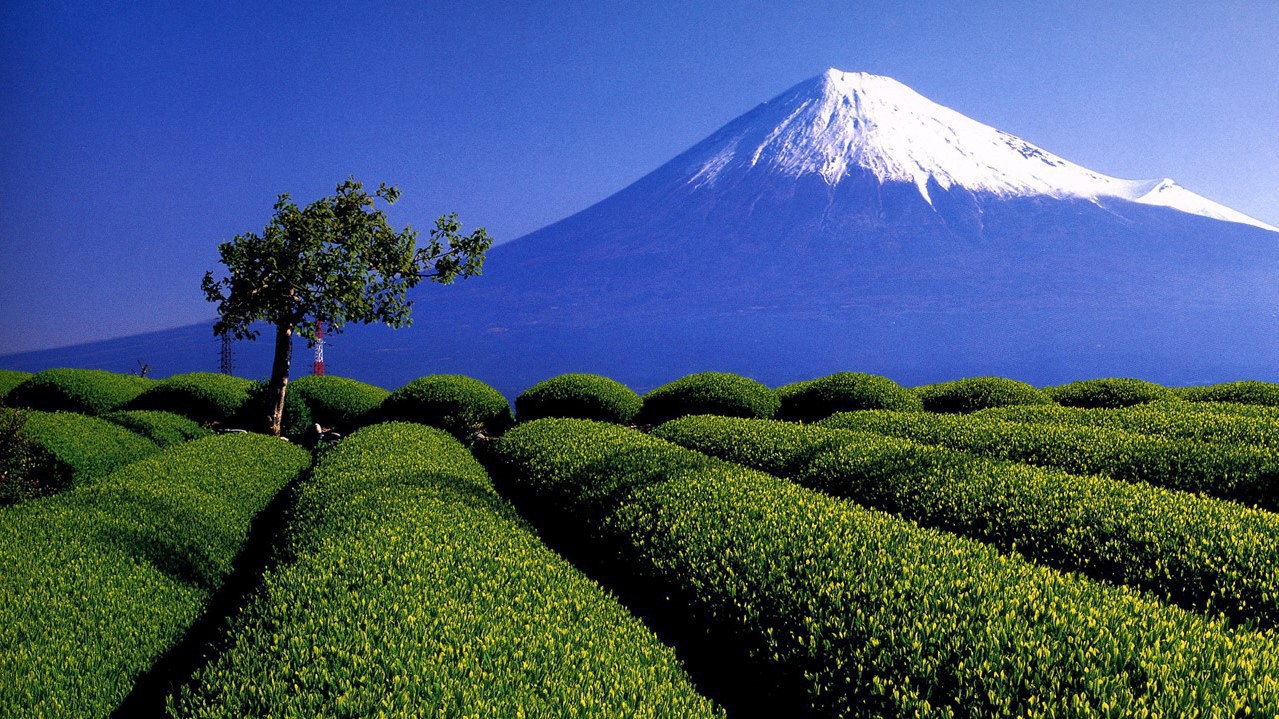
137 136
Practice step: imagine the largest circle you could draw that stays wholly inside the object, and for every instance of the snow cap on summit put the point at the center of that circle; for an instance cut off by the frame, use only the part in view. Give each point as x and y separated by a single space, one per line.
840 122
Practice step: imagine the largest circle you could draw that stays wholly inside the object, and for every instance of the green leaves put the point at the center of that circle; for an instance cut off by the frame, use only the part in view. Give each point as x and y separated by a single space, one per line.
99 581
413 589
862 613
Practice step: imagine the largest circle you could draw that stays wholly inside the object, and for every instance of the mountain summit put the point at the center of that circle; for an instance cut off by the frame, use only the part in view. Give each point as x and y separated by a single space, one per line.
841 122
847 224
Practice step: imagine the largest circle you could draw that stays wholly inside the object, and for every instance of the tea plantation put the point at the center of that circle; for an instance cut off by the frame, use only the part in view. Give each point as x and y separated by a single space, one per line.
838 547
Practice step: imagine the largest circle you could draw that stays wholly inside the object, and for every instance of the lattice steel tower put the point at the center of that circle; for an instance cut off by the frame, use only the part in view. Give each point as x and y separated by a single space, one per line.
317 368
225 364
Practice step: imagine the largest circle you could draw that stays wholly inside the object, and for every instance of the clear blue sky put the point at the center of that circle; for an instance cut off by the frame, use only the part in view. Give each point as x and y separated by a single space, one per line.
137 136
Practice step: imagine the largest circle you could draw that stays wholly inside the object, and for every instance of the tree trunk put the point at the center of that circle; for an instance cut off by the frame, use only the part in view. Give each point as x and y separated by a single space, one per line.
280 375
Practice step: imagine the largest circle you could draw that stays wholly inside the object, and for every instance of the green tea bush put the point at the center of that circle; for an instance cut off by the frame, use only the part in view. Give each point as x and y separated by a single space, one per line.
586 396
255 414
1110 392
1265 394
843 392
845 611
10 379
1249 475
339 402
88 391
974 393
83 447
101 580
709 393
1173 421
164 428
413 589
203 396
456 404
26 469
1202 553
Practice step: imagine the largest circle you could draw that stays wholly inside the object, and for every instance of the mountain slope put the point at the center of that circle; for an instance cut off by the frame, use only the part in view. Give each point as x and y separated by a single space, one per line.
851 224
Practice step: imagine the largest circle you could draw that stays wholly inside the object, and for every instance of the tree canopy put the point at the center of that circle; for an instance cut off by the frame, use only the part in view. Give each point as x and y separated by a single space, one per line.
337 260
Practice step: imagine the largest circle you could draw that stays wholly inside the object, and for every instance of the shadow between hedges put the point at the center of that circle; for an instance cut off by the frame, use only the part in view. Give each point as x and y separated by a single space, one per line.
714 657
207 637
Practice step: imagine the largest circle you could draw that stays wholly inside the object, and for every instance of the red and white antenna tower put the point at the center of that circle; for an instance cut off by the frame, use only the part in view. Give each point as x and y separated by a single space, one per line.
317 368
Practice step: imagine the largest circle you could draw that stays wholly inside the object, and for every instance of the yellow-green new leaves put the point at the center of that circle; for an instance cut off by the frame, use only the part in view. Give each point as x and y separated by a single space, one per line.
101 580
413 590
868 614
1200 552
1245 474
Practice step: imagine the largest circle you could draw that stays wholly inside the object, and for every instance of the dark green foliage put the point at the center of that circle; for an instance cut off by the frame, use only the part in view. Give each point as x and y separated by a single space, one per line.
974 393
164 428
338 402
88 391
26 468
816 399
335 261
1203 553
585 396
101 580
1110 392
203 396
413 589
718 393
255 413
1243 392
85 448
843 611
459 405
10 379
1235 472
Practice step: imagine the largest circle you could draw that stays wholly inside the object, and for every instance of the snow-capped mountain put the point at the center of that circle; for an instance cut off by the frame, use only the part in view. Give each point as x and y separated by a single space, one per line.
842 121
847 224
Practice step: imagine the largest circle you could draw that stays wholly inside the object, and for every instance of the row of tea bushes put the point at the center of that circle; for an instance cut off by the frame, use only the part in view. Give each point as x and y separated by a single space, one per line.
412 589
1202 553
1249 392
9 379
101 580
87 391
164 428
85 447
847 611
1173 421
1235 472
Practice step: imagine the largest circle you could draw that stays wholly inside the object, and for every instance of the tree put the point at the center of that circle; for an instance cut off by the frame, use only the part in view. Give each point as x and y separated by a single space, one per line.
335 261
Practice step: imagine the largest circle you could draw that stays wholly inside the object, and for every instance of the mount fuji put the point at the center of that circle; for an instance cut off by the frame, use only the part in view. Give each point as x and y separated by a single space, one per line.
847 224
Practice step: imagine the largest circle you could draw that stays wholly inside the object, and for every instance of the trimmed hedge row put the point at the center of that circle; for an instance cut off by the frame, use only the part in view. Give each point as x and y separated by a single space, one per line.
856 612
8 380
339 402
1201 553
203 396
1110 392
1163 420
415 590
1235 472
164 428
101 580
1243 392
585 396
974 393
819 398
719 393
87 391
83 447
459 405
